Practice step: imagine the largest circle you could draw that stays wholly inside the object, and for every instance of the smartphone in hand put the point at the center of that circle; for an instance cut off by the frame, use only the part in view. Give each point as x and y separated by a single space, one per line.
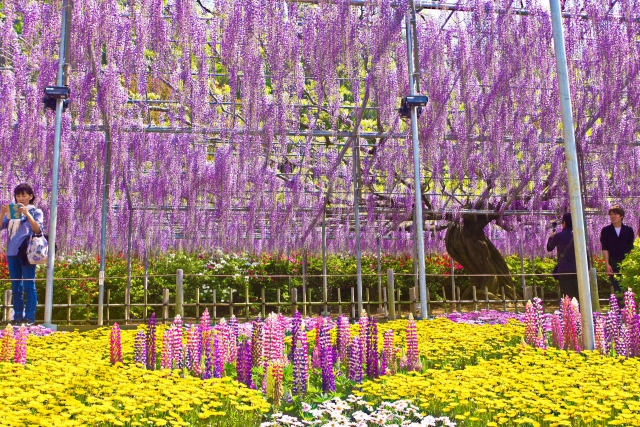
13 211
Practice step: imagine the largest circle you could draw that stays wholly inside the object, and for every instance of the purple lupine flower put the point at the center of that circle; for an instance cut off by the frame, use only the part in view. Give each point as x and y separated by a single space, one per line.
571 324
233 328
629 309
151 342
613 321
326 356
342 338
387 354
556 331
167 350
204 328
256 342
218 358
623 343
243 365
301 365
600 336
413 358
295 330
115 344
530 324
363 323
193 353
273 339
208 359
634 336
20 352
140 352
355 360
372 349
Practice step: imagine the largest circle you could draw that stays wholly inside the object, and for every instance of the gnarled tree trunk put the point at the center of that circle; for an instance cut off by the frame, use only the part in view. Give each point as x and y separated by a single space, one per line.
467 244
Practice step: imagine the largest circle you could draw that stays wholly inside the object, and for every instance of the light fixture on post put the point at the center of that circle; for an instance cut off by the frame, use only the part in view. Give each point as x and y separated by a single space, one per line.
412 101
53 93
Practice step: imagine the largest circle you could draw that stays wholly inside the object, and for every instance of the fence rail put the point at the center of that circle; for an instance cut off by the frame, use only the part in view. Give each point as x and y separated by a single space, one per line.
390 304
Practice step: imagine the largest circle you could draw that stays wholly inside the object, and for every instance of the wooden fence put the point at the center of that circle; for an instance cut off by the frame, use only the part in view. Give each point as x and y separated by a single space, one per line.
390 305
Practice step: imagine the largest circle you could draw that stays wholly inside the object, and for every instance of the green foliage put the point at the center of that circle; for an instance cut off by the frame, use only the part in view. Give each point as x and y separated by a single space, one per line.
630 269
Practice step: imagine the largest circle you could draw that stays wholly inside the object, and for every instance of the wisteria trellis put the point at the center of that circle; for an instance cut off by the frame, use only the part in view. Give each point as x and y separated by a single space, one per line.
226 84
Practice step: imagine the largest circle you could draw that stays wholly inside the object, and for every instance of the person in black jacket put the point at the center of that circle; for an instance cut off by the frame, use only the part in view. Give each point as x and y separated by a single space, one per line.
563 242
617 241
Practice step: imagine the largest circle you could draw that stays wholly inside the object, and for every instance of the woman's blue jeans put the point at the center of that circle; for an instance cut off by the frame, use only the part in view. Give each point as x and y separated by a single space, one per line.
23 289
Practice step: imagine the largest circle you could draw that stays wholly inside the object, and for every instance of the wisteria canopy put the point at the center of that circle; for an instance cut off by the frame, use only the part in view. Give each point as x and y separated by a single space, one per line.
232 121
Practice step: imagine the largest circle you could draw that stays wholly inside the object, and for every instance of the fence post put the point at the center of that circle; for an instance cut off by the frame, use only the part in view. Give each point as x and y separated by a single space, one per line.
486 295
146 283
197 303
379 273
294 301
504 299
108 299
428 304
214 309
68 307
458 299
304 281
368 302
179 293
165 305
5 314
444 297
391 303
595 295
475 299
339 302
386 303
231 302
412 301
399 302
278 299
263 308
353 307
246 301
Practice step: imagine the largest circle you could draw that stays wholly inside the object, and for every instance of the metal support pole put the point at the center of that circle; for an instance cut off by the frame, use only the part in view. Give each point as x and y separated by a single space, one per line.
325 291
63 78
304 280
573 177
179 293
379 270
417 224
525 291
127 291
355 150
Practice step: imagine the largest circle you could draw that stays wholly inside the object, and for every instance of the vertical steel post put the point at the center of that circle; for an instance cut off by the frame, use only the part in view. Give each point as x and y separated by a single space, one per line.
355 150
379 271
418 234
573 177
325 290
63 78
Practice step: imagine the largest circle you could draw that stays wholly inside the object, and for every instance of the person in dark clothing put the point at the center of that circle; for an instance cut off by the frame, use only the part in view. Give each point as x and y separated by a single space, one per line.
563 241
617 241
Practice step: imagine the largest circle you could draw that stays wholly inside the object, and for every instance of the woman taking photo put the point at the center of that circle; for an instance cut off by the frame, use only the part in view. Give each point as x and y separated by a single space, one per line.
21 220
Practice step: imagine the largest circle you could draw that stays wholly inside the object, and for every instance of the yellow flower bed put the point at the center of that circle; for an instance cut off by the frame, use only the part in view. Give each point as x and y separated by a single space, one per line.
527 387
442 342
68 380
